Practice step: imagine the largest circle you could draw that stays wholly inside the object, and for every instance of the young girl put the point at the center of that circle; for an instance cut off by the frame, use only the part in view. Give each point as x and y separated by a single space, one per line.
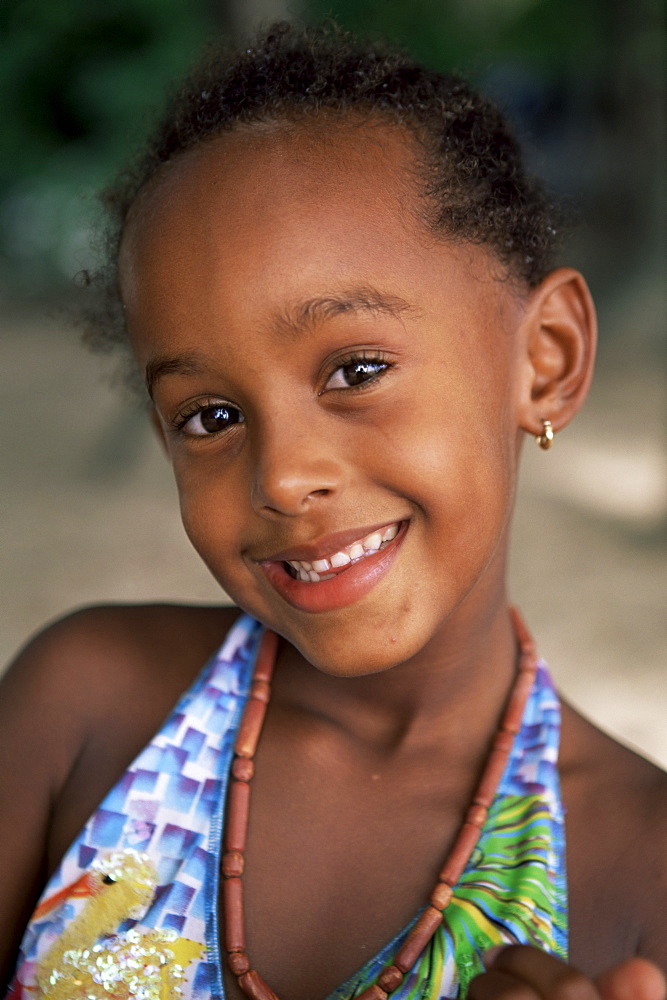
336 281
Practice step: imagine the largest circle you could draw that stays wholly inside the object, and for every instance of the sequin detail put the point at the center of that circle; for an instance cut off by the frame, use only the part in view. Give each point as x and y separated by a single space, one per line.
128 965
91 961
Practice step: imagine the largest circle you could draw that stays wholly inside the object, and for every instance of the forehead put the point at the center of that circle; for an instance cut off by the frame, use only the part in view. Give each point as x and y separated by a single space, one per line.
242 186
267 215
298 157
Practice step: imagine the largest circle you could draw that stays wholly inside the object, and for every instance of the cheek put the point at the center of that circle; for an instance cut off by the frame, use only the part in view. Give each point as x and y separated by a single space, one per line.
449 458
209 511
465 493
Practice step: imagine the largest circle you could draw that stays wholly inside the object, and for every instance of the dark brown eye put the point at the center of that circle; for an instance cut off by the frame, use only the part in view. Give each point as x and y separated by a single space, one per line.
212 420
355 373
360 371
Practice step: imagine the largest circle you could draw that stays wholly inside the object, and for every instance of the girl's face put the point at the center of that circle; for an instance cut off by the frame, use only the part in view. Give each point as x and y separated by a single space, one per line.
336 388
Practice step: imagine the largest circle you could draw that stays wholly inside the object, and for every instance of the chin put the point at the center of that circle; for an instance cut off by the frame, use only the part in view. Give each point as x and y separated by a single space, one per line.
361 655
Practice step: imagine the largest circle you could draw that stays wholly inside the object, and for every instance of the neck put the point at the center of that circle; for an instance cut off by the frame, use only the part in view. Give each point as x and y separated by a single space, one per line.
451 692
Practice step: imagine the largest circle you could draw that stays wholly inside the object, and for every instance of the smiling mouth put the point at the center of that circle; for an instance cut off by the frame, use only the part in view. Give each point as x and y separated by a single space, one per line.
331 565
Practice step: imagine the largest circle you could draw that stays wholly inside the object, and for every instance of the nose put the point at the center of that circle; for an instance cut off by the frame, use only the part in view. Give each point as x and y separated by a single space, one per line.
294 467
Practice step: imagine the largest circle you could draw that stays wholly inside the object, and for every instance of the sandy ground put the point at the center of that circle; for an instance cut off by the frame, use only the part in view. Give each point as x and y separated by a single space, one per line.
89 515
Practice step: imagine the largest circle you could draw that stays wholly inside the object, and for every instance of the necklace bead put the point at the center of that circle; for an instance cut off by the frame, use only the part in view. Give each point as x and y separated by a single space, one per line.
232 897
390 979
243 768
233 864
250 727
239 807
238 962
418 938
441 896
254 987
374 993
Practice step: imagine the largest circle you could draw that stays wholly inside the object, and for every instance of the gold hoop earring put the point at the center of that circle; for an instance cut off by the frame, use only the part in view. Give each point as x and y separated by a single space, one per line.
546 437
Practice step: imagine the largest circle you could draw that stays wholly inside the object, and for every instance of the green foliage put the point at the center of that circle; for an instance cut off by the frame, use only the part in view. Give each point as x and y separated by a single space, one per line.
79 81
76 72
467 35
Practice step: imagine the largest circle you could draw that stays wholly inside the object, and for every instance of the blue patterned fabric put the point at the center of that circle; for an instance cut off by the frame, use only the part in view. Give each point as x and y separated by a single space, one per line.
131 910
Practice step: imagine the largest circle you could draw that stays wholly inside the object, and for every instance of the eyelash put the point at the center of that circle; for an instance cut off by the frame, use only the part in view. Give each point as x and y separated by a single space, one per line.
181 419
359 358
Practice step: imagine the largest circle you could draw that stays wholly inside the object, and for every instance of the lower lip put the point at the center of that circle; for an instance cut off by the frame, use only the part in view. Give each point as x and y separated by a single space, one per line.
345 588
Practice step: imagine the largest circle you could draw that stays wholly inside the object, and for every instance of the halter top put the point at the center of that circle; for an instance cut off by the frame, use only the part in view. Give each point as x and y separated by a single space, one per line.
131 912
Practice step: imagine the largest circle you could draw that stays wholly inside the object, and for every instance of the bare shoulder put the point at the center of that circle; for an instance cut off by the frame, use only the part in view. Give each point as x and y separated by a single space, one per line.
81 669
616 825
76 706
111 672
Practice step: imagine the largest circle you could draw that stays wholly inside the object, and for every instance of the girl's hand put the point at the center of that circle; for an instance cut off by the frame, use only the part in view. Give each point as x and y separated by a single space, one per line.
524 973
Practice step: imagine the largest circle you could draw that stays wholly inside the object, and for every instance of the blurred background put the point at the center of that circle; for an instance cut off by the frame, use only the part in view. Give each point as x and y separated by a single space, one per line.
88 512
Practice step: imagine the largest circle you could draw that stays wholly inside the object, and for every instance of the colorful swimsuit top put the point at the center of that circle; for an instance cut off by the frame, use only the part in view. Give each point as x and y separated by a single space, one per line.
131 911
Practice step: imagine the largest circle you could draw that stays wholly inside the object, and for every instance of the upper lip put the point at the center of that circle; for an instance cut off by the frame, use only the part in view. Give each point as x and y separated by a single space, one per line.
327 545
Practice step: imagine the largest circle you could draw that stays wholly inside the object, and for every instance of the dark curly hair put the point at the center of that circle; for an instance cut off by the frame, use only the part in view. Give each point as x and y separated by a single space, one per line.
474 180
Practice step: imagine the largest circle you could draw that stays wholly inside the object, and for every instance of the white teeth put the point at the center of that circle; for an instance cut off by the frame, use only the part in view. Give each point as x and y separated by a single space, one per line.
313 572
373 542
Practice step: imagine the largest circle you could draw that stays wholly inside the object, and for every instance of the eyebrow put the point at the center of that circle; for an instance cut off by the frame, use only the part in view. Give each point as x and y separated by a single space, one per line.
304 316
293 322
191 363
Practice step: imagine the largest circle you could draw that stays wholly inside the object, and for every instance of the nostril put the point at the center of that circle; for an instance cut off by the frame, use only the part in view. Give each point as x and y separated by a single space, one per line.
284 485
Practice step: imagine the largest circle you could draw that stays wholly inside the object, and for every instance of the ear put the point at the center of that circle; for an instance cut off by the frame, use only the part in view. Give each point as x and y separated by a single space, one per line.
558 336
159 430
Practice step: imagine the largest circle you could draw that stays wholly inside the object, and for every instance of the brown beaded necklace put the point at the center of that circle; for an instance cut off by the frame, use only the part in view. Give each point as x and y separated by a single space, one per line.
250 982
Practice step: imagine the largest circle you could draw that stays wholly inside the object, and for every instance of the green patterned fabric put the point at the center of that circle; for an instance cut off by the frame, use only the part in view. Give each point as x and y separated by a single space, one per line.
513 889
